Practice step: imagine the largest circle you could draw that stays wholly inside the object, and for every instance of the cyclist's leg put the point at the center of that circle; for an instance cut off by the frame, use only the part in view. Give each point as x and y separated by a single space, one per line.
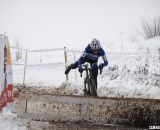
93 77
93 81
72 66
94 72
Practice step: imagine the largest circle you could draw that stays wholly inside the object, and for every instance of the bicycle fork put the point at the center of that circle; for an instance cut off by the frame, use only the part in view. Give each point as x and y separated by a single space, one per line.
86 86
85 82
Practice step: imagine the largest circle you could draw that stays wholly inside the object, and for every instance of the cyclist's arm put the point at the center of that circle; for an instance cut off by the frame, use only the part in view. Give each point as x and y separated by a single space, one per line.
105 61
81 59
85 53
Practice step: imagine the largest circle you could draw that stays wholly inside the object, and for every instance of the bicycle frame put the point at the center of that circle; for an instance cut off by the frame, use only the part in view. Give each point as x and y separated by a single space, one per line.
86 80
90 87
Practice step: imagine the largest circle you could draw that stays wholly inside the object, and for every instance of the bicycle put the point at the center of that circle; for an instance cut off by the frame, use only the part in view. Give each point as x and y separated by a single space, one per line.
90 86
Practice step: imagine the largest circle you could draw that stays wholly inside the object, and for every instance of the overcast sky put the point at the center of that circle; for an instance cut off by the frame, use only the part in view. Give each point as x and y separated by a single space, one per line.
57 23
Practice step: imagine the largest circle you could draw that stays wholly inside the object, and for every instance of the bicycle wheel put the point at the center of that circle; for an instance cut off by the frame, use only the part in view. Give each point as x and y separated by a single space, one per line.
93 87
86 87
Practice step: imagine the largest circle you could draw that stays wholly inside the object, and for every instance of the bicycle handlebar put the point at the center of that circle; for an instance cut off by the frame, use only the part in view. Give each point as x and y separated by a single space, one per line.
100 70
91 69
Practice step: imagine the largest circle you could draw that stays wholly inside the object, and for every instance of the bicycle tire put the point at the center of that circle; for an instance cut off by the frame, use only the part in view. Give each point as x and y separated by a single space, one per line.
93 87
86 89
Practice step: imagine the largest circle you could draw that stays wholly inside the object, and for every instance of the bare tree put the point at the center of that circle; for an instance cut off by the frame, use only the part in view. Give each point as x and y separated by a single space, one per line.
18 51
133 37
151 29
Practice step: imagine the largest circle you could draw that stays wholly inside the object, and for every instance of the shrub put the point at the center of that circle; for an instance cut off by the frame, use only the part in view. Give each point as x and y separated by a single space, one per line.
151 29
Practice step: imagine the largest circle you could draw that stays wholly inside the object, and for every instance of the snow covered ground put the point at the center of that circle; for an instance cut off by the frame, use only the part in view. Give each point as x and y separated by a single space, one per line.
8 120
133 71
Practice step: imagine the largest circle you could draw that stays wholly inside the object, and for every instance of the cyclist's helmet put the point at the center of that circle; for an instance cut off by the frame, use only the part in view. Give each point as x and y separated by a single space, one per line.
95 44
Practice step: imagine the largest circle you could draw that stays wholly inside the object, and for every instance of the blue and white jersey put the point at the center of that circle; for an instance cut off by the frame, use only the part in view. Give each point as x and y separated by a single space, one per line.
89 54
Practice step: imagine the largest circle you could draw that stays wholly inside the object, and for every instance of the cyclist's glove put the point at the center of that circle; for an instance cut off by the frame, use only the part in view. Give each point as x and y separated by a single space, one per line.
80 69
101 66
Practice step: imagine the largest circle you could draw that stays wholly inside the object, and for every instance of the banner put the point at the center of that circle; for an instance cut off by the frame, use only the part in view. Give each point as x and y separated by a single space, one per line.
6 83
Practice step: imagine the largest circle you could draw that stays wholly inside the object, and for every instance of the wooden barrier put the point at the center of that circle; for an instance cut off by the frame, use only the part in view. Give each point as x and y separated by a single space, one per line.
126 111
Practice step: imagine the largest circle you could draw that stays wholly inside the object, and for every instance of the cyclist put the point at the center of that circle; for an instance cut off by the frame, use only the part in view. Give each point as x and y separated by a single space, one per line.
91 54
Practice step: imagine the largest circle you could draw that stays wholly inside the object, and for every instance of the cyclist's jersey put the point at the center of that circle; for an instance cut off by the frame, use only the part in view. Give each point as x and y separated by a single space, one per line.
90 55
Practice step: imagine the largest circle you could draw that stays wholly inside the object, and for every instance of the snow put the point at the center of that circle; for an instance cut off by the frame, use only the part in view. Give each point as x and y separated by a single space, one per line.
123 77
133 71
8 120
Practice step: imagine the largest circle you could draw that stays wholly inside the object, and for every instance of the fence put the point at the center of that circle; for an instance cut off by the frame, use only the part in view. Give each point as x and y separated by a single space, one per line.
47 66
24 61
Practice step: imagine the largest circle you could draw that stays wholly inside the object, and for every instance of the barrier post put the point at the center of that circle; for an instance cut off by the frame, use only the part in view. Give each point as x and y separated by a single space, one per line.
24 75
75 69
65 58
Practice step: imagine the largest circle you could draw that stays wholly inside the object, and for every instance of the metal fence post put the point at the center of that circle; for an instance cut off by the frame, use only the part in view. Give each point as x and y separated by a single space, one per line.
24 75
75 69
65 58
